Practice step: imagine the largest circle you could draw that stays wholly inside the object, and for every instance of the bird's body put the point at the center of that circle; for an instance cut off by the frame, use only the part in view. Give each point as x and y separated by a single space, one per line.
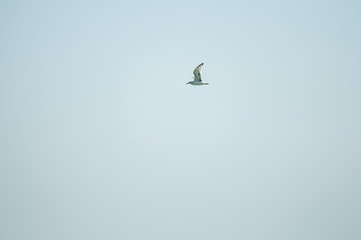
197 76
196 83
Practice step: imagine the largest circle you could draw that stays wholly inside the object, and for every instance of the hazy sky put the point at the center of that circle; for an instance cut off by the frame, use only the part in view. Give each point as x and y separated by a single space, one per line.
101 138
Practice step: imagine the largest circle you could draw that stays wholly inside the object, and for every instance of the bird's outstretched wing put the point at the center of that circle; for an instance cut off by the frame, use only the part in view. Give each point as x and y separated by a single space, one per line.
197 73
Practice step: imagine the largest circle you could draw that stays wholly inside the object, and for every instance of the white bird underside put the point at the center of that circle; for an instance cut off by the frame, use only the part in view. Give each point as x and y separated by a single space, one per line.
197 76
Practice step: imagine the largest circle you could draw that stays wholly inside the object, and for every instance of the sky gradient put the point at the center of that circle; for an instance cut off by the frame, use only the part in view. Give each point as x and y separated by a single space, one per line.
101 138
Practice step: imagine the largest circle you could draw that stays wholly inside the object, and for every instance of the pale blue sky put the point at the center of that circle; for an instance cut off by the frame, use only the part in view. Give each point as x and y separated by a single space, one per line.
101 138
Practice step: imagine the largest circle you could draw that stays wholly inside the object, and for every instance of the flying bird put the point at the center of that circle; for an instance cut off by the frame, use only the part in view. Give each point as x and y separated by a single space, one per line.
197 76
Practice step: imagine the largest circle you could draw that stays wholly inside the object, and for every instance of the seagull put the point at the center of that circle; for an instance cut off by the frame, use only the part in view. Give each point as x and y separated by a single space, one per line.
197 76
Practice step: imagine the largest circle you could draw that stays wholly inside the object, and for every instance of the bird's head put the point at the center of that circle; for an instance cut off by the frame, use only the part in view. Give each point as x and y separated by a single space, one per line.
188 83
